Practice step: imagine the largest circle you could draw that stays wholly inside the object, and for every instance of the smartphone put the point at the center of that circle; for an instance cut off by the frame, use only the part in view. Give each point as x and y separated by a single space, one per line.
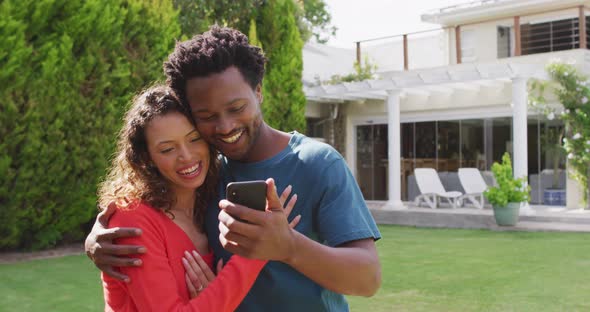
251 194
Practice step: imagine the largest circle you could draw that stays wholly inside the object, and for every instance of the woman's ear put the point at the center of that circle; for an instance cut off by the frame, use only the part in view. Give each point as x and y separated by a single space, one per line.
146 160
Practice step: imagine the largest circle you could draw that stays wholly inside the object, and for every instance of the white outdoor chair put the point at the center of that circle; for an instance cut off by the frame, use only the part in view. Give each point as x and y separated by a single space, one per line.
474 186
432 190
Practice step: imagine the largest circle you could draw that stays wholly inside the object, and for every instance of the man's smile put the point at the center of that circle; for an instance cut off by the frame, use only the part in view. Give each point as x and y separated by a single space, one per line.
233 138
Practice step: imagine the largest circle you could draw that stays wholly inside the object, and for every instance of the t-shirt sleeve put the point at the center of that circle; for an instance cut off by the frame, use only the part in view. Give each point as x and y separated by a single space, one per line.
343 215
153 286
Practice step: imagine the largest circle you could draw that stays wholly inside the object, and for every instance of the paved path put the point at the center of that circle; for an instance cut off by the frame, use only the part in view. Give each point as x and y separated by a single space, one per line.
66 250
545 218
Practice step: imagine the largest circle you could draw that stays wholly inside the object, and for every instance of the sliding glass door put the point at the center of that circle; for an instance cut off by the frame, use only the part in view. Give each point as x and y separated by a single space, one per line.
452 144
371 161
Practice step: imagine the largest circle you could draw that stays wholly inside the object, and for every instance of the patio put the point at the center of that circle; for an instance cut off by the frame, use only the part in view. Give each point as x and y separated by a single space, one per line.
544 218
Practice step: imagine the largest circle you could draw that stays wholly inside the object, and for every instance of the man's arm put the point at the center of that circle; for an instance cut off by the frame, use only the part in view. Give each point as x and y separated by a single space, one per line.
351 268
106 255
154 286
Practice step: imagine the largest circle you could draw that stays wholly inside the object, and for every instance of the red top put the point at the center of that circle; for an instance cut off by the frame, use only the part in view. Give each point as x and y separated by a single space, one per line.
159 283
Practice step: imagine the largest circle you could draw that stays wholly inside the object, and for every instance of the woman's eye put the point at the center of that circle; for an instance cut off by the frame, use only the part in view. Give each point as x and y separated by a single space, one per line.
166 150
237 109
195 139
206 118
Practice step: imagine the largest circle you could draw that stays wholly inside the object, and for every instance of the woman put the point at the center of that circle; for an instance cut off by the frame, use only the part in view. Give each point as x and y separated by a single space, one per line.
162 176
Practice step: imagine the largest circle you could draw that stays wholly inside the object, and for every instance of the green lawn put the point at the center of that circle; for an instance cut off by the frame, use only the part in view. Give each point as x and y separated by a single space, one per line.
70 283
466 270
423 270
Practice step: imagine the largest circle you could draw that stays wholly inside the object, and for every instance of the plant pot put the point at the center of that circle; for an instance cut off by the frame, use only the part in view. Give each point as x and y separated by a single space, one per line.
508 215
554 197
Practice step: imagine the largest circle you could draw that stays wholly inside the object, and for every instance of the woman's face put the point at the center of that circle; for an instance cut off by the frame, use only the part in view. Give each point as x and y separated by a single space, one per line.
178 151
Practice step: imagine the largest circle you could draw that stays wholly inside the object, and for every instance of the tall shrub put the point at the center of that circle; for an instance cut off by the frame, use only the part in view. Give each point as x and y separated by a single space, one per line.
69 67
195 16
573 93
284 101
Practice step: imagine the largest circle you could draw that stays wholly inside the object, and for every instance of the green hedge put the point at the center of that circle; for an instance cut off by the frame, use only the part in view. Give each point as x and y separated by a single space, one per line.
67 70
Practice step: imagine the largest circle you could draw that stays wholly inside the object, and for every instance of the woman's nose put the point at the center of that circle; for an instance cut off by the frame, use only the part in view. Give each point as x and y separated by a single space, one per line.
184 152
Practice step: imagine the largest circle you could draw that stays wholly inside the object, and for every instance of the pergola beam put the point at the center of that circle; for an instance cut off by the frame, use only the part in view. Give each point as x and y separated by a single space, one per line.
458 78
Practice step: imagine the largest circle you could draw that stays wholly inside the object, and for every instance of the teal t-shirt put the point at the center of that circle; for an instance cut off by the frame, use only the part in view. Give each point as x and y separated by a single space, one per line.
333 212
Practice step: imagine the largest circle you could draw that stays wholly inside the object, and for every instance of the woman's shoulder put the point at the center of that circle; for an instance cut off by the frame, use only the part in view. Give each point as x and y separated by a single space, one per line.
135 213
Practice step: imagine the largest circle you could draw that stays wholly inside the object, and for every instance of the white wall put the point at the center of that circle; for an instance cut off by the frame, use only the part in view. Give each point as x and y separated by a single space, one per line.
323 61
316 110
424 51
482 39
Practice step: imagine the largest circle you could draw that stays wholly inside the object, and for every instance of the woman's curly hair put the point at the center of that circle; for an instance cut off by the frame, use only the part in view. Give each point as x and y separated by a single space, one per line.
213 52
133 177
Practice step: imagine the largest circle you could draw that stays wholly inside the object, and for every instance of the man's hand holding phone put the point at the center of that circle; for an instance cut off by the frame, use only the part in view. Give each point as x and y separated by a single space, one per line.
266 234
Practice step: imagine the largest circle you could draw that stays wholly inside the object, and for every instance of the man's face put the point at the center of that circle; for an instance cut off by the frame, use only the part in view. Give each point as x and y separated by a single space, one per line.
227 112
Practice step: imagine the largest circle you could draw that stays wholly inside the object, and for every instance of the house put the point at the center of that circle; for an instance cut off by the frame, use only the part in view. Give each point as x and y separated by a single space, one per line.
454 97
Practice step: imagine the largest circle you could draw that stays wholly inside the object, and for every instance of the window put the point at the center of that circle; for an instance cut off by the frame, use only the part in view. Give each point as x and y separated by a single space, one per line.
371 161
468 46
504 44
315 127
550 36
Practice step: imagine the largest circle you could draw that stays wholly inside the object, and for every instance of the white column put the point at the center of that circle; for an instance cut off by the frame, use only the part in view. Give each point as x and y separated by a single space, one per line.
519 133
393 153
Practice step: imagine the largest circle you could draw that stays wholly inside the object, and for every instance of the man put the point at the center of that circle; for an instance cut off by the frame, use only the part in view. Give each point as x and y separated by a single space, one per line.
331 252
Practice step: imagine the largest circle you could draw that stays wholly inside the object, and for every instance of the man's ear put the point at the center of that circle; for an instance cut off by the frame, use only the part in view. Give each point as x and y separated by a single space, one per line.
258 92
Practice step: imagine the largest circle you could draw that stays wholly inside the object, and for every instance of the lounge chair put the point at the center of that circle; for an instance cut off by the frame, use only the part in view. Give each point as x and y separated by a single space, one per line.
432 190
474 186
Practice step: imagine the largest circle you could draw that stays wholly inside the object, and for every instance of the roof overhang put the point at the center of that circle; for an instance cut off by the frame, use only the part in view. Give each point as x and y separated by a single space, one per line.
484 10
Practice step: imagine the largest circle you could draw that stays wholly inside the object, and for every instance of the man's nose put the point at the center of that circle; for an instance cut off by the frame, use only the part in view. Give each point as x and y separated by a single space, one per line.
225 126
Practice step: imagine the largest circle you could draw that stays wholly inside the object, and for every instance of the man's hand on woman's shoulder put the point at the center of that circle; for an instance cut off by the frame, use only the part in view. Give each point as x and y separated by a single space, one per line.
100 249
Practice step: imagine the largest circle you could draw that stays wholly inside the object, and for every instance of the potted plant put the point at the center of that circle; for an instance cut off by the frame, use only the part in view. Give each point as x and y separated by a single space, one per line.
551 143
507 197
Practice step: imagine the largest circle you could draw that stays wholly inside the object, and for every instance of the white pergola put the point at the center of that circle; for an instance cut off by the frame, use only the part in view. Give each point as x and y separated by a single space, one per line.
456 81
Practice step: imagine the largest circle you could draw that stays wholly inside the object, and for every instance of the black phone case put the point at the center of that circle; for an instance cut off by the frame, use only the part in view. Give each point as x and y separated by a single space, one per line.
251 194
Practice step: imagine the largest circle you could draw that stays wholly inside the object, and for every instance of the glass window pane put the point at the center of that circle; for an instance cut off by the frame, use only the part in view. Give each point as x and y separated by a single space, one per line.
425 144
407 156
380 160
472 144
448 146
533 145
364 160
501 138
371 162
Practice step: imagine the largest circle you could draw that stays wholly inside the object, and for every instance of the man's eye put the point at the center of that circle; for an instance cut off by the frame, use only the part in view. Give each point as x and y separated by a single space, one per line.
195 139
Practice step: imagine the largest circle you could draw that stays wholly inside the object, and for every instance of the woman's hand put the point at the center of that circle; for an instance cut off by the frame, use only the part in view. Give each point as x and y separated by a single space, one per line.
198 274
290 205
